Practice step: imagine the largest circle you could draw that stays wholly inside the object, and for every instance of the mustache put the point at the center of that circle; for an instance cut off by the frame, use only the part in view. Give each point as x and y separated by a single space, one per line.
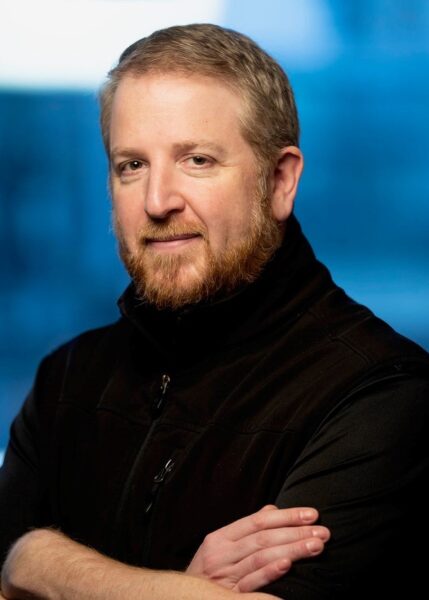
167 230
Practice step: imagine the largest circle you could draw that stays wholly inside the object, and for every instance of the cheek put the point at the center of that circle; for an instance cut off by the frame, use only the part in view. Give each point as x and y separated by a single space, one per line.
126 225
126 208
229 225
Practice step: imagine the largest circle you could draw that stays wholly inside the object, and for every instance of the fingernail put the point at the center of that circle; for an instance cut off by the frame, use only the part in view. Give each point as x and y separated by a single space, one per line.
320 533
314 546
307 515
284 564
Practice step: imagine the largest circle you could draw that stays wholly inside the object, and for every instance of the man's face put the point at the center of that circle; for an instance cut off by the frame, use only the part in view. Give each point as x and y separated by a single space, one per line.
189 215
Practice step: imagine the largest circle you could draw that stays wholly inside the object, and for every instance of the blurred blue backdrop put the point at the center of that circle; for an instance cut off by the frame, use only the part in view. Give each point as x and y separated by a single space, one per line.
360 72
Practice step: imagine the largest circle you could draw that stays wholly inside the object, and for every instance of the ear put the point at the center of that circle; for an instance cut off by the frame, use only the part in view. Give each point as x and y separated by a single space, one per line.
285 182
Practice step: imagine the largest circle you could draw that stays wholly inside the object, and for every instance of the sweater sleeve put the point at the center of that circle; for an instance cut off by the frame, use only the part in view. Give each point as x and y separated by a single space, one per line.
23 493
20 484
366 470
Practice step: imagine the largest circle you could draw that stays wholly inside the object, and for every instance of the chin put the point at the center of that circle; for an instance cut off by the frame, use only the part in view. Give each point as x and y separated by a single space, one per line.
172 289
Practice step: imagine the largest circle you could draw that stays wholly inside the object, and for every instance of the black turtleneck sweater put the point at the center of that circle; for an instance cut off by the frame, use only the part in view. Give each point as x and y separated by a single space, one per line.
142 437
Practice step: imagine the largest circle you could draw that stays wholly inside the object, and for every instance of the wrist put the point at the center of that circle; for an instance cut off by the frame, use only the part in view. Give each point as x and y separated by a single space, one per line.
22 571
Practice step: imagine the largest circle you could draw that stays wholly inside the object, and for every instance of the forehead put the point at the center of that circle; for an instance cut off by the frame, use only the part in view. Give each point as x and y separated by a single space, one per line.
176 105
179 82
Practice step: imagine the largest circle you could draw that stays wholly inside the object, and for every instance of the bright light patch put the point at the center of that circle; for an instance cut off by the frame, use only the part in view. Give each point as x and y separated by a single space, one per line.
73 43
303 31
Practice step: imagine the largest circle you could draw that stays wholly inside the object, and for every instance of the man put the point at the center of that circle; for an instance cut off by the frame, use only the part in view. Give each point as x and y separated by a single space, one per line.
240 386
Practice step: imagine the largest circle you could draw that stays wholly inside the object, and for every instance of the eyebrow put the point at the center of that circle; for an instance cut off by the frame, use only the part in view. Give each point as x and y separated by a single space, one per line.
185 146
124 152
189 145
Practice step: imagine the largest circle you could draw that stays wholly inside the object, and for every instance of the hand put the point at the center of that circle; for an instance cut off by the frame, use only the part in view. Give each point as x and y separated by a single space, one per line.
253 551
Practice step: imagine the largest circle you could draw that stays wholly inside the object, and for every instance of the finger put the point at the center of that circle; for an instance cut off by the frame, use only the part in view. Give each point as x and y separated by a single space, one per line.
258 579
269 519
269 538
292 552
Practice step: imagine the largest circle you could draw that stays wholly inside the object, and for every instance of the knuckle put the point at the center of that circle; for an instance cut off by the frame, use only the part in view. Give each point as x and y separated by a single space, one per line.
279 567
211 564
289 517
258 561
304 532
258 520
210 540
296 515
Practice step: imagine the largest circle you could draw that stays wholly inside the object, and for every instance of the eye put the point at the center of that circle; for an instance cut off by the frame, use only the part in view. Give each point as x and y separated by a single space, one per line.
129 169
199 161
132 165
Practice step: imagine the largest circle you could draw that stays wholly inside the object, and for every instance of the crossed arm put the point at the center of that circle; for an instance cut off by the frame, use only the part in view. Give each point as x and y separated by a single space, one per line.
241 557
366 467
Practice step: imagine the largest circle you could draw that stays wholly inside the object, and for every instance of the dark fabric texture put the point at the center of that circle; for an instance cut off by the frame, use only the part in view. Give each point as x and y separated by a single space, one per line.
142 437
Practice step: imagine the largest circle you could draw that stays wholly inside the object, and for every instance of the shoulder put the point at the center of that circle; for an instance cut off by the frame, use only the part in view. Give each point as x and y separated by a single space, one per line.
357 333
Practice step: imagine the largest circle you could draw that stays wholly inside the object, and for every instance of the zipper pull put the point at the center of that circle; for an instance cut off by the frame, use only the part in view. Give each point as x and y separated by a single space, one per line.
158 480
164 383
158 403
169 466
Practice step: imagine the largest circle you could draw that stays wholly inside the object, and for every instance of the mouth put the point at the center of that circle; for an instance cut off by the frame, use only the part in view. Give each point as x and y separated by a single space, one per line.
169 242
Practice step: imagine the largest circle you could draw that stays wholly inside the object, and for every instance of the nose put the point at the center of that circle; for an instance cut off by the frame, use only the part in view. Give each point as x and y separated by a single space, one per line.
162 194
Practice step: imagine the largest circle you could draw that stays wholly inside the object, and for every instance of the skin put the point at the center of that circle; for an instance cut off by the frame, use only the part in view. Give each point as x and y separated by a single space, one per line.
255 550
240 557
178 157
172 128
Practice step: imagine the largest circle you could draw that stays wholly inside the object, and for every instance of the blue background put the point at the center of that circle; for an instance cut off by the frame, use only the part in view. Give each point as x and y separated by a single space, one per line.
362 88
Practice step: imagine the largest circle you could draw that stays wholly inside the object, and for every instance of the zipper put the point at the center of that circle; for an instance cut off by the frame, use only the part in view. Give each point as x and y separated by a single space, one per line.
159 403
158 480
156 410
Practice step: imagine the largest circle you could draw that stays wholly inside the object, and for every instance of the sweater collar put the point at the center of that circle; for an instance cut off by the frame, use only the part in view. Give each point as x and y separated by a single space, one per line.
289 283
